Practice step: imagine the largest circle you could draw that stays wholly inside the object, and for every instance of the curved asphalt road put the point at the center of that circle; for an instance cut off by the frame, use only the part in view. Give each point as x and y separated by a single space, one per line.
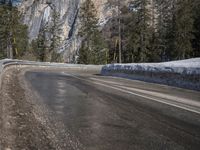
107 113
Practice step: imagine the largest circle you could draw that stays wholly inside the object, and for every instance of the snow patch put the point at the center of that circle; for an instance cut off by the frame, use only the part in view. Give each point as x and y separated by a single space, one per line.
183 73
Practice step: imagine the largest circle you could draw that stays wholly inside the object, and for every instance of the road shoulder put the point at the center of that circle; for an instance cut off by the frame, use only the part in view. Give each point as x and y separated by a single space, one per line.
24 121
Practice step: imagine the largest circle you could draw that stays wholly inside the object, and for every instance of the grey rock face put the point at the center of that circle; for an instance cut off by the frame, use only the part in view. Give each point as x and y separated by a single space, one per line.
37 13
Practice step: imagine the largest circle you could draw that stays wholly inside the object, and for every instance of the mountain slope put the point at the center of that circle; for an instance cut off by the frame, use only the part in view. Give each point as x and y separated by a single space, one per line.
37 14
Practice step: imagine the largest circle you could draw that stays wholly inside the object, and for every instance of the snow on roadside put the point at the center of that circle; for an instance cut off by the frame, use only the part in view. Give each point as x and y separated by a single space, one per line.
189 66
183 73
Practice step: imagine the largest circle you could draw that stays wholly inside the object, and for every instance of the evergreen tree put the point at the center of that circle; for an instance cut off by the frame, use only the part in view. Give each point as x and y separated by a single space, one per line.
39 46
155 47
3 32
175 28
92 49
130 38
165 29
157 30
13 34
55 40
116 6
164 33
183 29
143 26
196 31
110 34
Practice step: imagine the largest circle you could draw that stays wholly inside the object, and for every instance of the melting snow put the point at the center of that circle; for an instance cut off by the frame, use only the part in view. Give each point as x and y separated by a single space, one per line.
184 73
189 66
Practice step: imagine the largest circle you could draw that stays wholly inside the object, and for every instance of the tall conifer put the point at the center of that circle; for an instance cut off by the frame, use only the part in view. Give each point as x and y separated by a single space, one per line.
92 50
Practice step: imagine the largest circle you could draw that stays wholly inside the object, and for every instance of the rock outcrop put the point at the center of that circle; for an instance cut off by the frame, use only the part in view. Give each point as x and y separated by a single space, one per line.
36 13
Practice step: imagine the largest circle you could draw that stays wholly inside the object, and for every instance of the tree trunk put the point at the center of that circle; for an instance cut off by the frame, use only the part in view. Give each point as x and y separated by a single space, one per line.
120 41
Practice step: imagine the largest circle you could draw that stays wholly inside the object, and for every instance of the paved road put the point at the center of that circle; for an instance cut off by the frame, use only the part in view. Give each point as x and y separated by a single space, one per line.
106 113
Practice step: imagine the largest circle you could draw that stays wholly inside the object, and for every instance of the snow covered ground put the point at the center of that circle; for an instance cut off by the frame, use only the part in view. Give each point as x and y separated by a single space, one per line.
183 73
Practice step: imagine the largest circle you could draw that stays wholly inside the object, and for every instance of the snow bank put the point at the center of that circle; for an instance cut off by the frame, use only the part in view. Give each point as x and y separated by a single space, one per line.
184 73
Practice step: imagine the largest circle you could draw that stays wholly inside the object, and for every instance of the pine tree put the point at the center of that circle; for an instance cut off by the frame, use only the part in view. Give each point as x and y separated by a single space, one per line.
39 45
155 42
143 27
183 29
6 30
3 32
196 32
55 40
116 6
165 29
92 49
110 34
163 32
157 30
130 38
13 34
175 28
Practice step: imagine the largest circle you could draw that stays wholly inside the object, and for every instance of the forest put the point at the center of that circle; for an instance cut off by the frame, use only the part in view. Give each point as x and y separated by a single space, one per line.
153 31
137 31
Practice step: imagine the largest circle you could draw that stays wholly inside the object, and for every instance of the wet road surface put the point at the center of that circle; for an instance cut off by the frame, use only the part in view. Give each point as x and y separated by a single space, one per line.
106 113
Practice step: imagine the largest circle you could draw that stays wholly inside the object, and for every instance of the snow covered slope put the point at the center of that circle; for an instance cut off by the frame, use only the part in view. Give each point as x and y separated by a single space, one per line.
184 73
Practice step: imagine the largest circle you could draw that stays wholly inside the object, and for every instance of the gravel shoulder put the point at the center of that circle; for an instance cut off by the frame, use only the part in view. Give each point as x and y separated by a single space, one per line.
25 123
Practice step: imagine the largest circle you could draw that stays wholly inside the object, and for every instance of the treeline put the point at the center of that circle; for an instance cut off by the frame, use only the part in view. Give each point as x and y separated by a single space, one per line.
142 31
13 34
14 40
138 31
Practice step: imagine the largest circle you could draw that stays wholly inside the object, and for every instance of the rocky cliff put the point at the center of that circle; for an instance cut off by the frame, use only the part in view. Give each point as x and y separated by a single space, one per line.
37 13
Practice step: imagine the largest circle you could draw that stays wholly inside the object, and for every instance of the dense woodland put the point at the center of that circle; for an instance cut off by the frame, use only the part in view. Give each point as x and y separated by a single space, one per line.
13 34
152 31
138 31
14 40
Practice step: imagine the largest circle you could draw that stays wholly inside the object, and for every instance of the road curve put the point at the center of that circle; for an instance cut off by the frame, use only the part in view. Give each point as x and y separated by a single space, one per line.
105 113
